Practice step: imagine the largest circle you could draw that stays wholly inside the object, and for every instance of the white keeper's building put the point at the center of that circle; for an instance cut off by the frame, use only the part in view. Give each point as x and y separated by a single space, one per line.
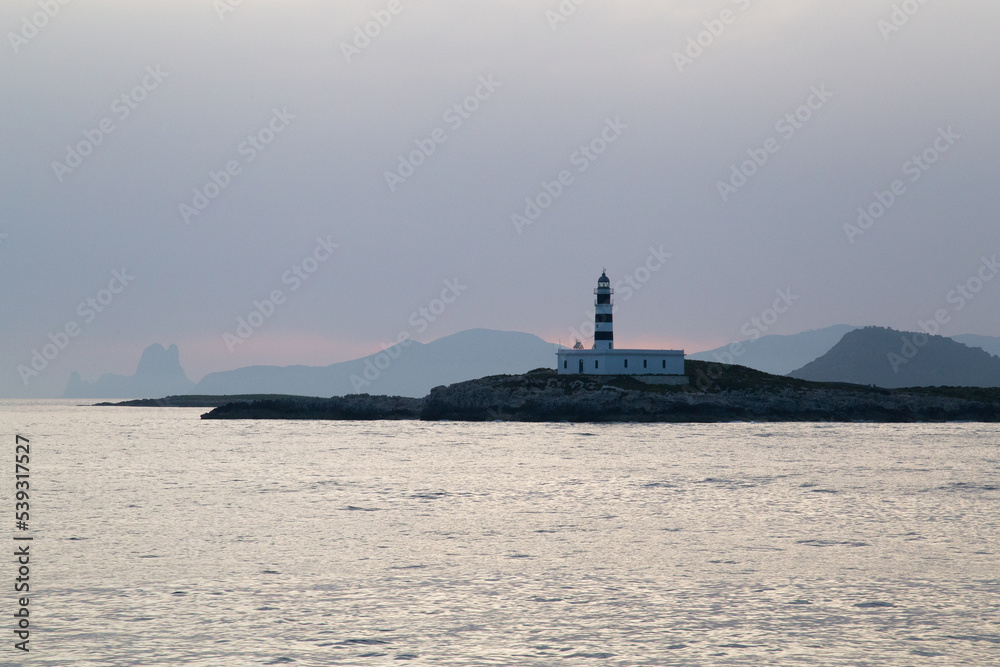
604 359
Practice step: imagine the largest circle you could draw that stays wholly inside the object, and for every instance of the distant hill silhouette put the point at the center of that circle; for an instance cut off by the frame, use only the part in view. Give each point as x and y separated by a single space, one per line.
989 343
412 369
779 355
893 359
159 373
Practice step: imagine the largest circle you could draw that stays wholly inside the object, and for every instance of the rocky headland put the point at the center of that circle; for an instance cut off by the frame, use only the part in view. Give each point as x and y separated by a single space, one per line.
716 392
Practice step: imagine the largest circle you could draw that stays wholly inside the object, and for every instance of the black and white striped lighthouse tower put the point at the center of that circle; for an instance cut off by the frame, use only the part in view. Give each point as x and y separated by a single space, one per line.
605 359
604 337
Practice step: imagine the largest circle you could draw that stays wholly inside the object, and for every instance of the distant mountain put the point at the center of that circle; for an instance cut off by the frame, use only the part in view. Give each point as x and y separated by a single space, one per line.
778 355
159 373
989 343
411 369
892 359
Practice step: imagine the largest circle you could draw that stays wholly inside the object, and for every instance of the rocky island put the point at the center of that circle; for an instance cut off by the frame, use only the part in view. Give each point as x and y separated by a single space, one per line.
716 392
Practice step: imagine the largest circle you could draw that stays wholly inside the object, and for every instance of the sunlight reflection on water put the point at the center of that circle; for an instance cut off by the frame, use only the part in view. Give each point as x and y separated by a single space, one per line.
162 539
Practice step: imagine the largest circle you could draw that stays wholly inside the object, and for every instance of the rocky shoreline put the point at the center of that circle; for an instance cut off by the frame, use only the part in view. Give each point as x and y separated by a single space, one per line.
716 393
192 401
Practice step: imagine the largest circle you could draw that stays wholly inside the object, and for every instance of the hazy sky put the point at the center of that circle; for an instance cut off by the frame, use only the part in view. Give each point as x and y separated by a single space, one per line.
204 150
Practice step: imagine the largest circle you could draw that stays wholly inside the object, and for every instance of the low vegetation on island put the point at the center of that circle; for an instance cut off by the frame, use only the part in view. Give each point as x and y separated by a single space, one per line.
716 392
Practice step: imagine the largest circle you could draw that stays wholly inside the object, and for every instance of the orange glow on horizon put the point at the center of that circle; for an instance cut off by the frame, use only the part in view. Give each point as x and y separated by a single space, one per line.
201 355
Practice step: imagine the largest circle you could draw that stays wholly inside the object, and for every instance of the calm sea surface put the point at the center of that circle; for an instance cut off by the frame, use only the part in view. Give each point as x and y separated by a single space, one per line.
161 539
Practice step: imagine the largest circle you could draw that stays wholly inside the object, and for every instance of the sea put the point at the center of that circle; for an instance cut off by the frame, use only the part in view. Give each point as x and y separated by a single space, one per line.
159 538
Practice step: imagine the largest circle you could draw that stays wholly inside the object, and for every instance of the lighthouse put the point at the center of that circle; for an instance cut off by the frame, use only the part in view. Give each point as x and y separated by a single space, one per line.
604 336
651 366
